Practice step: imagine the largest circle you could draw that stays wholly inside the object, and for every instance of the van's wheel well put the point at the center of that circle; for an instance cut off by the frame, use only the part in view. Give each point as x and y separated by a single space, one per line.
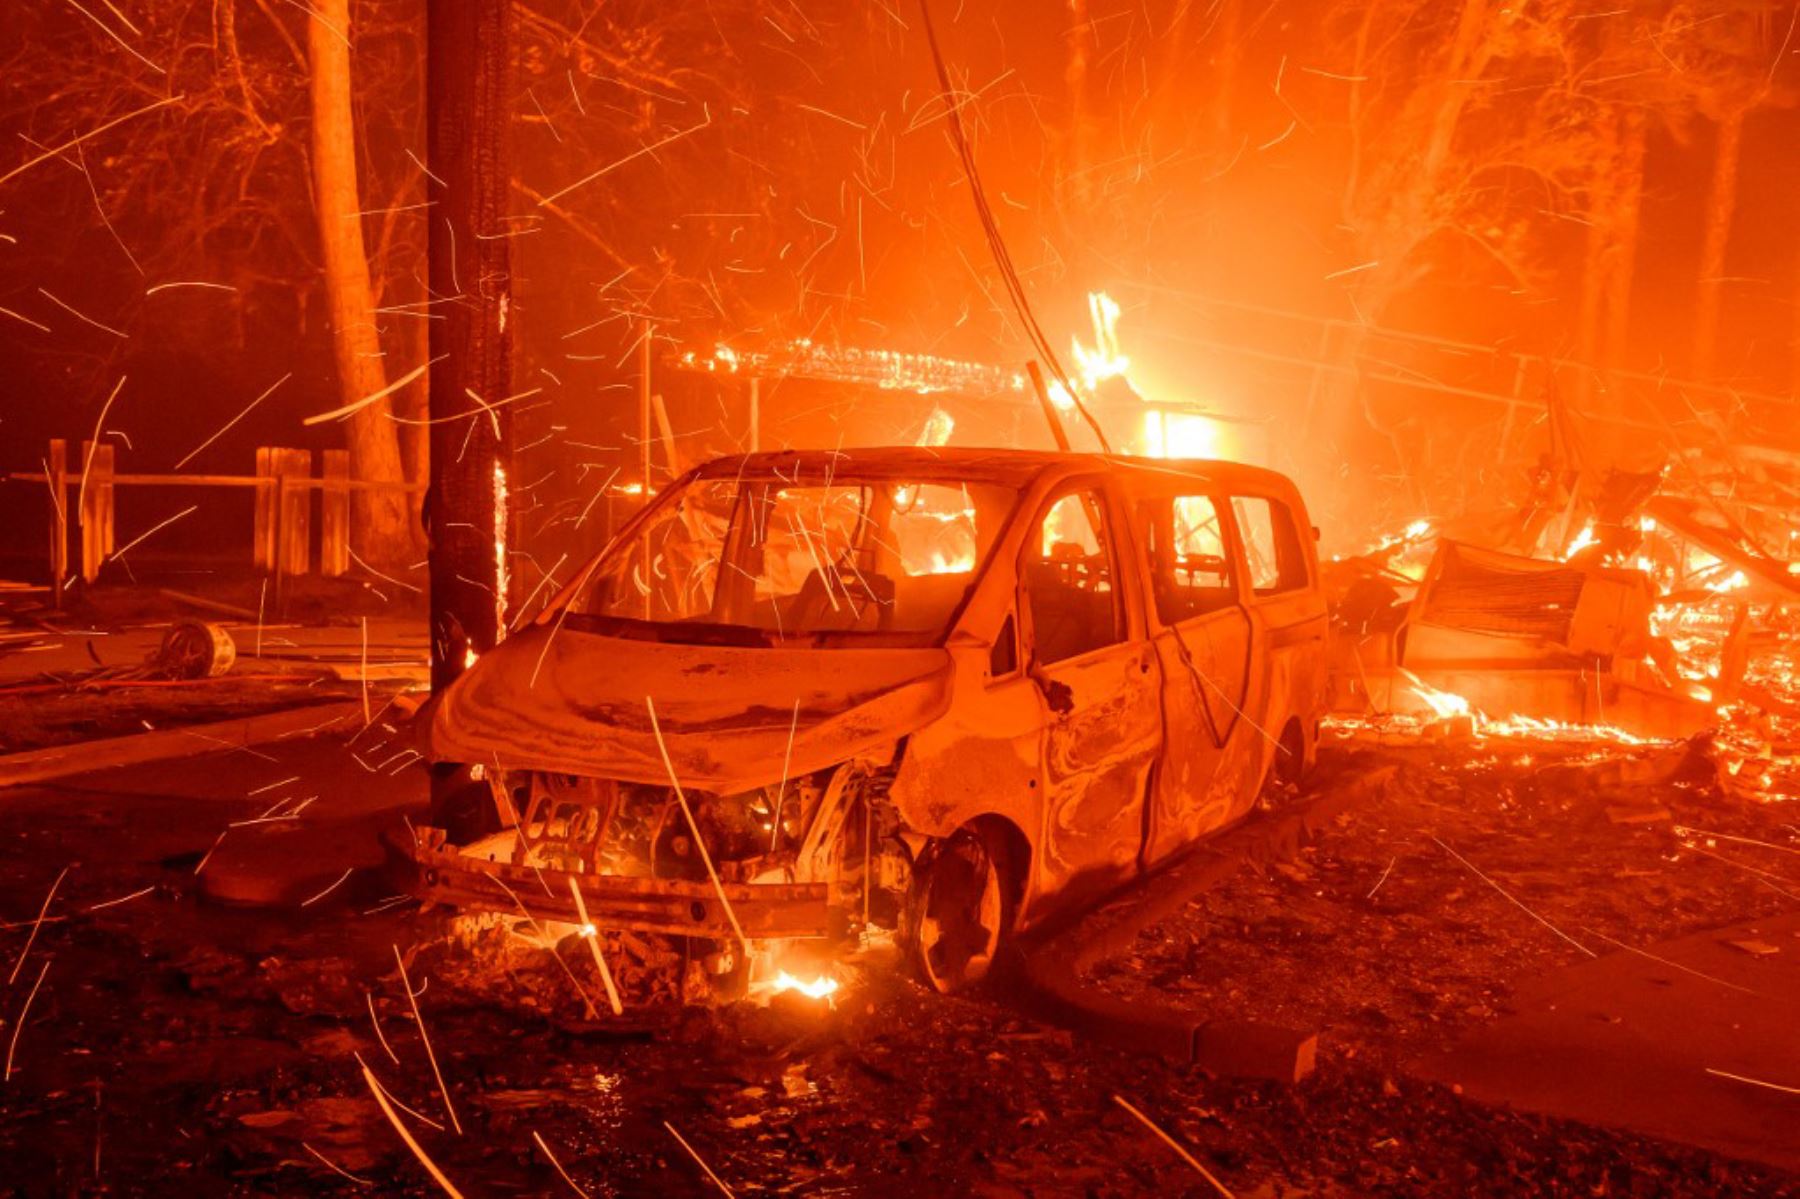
965 893
1016 858
1289 767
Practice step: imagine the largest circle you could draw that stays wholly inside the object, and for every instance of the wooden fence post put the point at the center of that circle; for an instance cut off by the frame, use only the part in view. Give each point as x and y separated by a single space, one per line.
295 544
56 473
263 529
334 515
96 508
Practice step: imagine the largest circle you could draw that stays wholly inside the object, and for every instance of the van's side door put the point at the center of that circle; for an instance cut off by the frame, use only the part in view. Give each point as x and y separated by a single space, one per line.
1287 615
1203 637
1089 654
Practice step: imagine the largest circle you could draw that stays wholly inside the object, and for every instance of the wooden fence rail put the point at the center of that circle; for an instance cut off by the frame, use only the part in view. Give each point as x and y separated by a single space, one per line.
281 529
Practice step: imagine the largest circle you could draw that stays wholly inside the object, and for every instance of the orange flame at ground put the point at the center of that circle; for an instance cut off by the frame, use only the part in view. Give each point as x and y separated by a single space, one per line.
1446 705
1443 704
822 987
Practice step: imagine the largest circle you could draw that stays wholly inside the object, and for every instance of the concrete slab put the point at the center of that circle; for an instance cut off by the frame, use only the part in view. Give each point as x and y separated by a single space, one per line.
1647 1045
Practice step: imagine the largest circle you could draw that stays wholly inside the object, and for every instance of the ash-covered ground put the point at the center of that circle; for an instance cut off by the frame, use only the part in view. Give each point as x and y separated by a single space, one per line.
175 1045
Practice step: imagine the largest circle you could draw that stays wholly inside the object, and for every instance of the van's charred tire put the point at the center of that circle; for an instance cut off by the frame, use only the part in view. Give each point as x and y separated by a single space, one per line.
1289 768
460 805
959 914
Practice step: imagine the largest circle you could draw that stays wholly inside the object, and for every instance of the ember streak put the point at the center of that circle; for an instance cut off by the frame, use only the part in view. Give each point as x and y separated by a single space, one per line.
1120 597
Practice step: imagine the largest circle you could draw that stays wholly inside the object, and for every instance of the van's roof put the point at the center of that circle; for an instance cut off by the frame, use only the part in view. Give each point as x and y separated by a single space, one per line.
1013 467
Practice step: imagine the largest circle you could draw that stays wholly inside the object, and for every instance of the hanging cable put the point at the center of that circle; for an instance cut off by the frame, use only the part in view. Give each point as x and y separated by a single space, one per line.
1009 276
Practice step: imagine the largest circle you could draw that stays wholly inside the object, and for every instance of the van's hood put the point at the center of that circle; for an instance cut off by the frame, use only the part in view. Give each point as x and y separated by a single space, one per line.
574 702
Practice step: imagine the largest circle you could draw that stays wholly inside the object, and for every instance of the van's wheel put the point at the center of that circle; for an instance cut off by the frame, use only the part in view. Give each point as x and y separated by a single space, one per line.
961 909
1288 769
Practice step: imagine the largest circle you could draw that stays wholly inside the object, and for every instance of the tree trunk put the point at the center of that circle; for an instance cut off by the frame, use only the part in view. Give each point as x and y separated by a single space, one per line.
1225 68
1629 199
414 403
1080 40
1721 199
468 62
381 530
1601 206
1615 196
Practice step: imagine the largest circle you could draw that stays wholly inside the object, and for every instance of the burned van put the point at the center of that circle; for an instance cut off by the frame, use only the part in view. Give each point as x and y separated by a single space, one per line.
951 693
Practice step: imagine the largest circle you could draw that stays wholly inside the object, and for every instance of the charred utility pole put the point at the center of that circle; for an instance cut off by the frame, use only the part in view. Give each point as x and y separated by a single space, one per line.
468 112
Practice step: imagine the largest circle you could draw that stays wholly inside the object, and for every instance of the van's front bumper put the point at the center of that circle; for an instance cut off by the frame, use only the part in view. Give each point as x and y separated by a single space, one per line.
658 905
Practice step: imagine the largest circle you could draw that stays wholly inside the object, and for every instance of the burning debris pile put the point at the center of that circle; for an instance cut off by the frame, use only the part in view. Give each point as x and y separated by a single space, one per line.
1620 610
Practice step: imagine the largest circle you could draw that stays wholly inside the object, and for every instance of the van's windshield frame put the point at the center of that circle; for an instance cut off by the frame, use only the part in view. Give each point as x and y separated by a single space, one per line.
757 559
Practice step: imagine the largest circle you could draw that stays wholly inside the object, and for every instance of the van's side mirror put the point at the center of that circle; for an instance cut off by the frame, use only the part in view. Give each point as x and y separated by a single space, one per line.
1058 695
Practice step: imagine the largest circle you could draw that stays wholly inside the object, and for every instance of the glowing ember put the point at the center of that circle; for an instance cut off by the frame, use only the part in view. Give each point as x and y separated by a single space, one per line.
889 370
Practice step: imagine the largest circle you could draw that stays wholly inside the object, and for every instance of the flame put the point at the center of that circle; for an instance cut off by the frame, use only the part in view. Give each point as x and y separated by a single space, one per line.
1443 704
1105 360
1180 435
500 579
1737 580
822 987
938 427
941 563
1582 540
469 656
